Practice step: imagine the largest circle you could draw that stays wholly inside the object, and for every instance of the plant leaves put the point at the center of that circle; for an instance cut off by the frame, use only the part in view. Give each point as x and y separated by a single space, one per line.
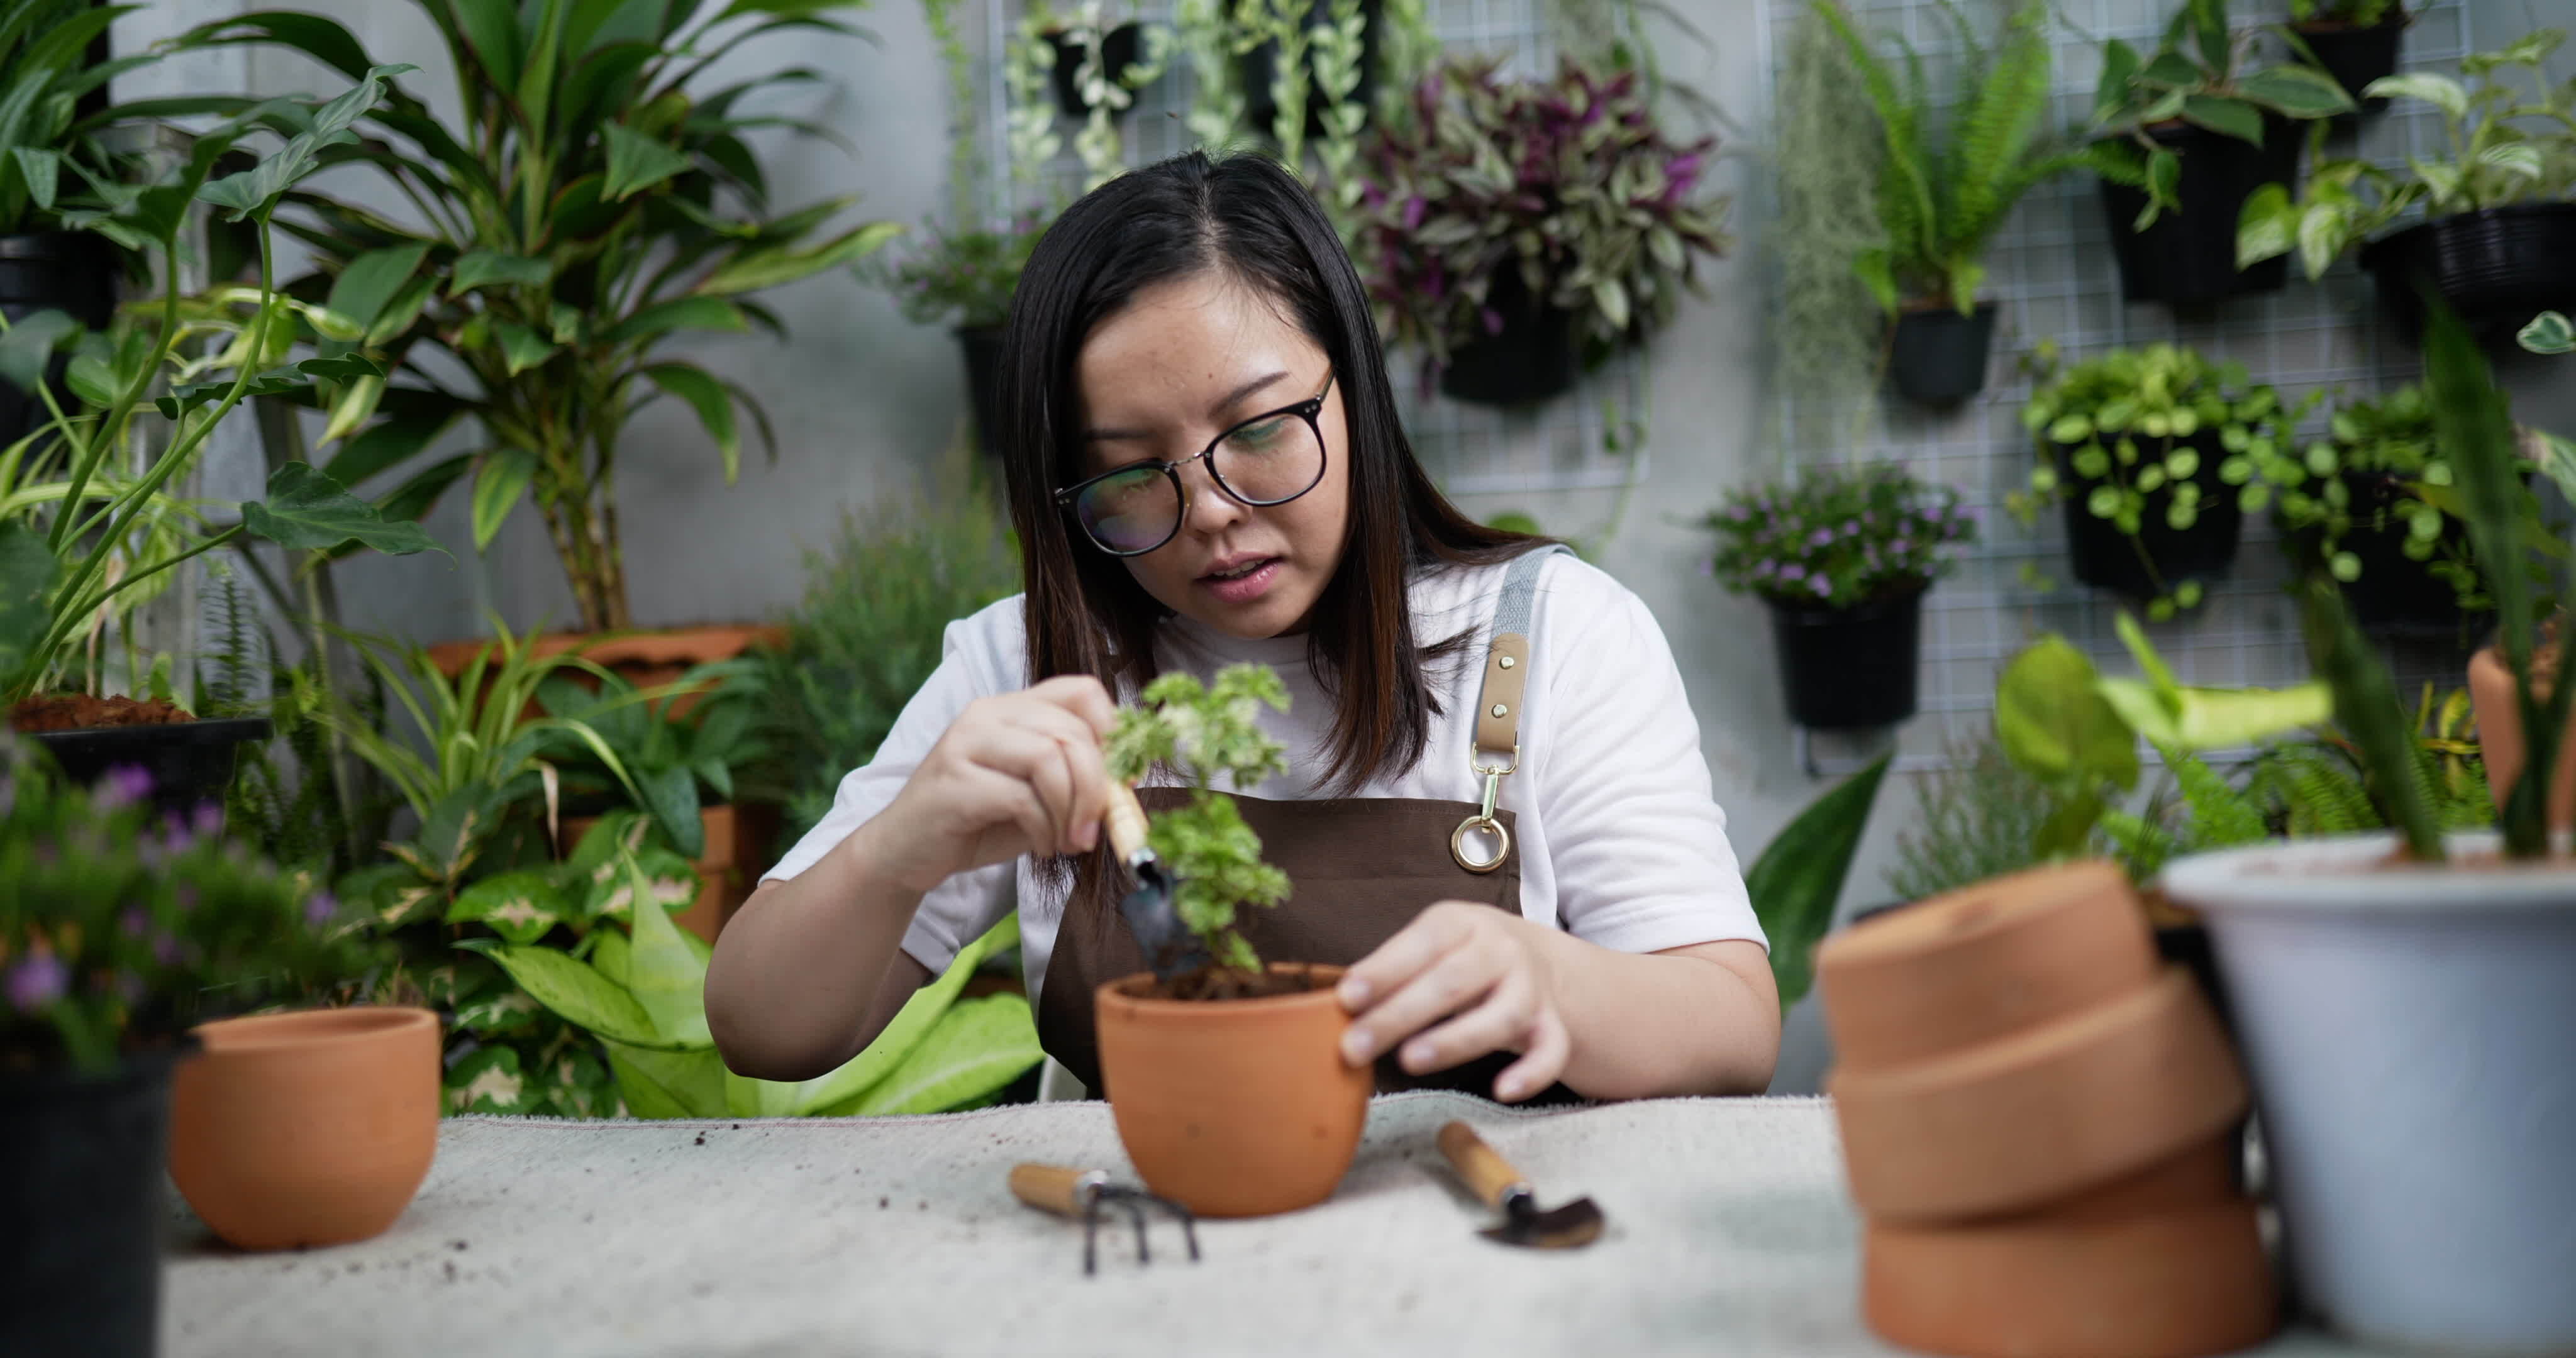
519 906
1799 876
521 347
714 405
637 162
665 975
768 268
579 994
975 1048
854 1077
309 511
373 279
2052 720
2548 333
29 347
659 1084
253 190
498 484
683 313
482 268
27 570
2228 117
2440 91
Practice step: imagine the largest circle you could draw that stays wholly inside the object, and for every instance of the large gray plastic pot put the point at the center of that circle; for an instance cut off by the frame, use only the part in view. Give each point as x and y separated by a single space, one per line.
2411 1033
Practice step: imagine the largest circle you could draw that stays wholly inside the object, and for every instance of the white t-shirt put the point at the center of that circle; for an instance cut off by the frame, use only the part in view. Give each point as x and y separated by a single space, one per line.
1620 839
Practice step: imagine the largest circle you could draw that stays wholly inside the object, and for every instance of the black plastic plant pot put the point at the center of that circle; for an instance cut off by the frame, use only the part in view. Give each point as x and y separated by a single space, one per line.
1532 358
2496 267
1846 669
1938 357
2187 259
2356 56
2394 592
68 271
2106 558
1255 68
982 345
81 1188
190 762
1119 48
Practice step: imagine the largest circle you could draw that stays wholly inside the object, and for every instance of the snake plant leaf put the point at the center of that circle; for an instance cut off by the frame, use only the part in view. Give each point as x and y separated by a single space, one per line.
910 1024
975 1049
660 1084
519 906
482 268
309 511
666 976
498 485
1799 876
2053 722
576 991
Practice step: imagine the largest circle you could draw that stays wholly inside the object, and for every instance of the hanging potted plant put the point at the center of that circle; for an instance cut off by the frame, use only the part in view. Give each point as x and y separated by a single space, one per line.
2466 1250
1946 181
1227 1081
964 278
2154 454
119 929
2354 41
1513 229
90 533
608 204
2183 138
1842 557
2498 237
2354 504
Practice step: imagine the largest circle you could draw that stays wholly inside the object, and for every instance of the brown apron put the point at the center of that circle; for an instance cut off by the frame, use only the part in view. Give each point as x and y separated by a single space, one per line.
1359 869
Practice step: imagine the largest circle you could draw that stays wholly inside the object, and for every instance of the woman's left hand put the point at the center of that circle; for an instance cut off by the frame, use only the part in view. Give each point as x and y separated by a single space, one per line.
1480 969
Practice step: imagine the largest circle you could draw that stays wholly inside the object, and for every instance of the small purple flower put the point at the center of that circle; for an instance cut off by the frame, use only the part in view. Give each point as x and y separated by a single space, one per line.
319 910
123 786
1823 586
208 819
37 982
1822 537
1793 573
134 922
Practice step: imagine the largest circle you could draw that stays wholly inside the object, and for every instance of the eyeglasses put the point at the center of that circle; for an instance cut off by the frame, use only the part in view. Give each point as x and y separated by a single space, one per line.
1266 460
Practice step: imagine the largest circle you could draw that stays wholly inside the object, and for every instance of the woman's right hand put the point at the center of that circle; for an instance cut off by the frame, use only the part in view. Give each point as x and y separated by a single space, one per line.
1015 773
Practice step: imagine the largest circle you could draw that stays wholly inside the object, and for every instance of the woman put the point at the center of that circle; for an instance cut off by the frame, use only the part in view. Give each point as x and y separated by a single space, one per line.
1206 467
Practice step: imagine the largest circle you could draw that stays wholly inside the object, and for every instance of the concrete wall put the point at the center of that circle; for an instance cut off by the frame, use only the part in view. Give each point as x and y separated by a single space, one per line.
865 403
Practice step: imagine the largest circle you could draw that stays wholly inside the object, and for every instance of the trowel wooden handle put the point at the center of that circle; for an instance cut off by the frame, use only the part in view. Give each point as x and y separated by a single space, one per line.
1126 820
1488 1174
1059 1189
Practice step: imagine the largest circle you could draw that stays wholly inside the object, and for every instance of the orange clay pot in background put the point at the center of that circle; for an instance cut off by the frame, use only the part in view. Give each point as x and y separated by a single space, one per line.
1233 1108
306 1128
2499 714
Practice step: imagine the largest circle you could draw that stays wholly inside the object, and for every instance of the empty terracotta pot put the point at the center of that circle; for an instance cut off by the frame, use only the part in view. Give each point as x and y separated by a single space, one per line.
2031 1117
306 1128
1981 962
2173 1284
1233 1108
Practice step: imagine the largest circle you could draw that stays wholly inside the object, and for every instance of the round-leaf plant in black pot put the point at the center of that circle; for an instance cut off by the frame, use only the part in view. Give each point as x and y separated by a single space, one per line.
1945 185
1565 189
2154 454
2354 41
2355 504
1842 557
119 930
2184 138
2498 235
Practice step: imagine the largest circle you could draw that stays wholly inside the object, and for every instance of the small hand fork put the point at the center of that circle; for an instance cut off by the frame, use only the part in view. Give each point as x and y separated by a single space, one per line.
1085 1193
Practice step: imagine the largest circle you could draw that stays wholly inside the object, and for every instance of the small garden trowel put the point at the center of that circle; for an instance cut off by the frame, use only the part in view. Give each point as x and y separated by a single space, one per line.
1500 1186
1151 916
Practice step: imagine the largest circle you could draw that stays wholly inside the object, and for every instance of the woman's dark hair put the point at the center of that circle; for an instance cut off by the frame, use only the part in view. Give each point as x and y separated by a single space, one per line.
1247 219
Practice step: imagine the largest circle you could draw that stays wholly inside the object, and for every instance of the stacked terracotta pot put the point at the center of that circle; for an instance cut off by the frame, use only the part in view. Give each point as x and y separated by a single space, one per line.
2039 1121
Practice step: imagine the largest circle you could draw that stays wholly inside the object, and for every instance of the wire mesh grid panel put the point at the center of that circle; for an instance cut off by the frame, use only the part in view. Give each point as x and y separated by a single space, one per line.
2053 274
1578 440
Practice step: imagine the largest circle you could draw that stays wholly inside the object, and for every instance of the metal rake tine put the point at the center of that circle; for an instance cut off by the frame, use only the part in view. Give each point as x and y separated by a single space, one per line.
1090 1236
1136 1214
1189 1226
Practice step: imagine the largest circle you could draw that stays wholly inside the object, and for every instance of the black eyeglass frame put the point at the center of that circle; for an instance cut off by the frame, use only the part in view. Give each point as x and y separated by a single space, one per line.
1310 410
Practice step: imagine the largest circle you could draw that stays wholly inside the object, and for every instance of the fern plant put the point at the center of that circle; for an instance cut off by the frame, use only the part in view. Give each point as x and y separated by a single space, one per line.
1943 191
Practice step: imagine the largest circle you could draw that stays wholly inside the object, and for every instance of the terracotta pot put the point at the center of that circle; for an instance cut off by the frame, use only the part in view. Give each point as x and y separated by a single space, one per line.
2172 1284
1233 1108
306 1128
2499 714
1981 962
737 851
642 658
2020 1121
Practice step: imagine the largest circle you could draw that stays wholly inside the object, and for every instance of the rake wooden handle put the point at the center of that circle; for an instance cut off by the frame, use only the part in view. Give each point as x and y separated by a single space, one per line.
1488 1174
1126 821
1060 1189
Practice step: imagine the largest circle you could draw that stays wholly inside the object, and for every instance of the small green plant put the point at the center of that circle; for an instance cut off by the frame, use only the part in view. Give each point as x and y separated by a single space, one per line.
1977 816
1838 537
53 108
959 277
2159 431
2390 439
2344 13
1206 731
1028 73
1570 183
1943 191
2506 144
674 761
2199 76
120 930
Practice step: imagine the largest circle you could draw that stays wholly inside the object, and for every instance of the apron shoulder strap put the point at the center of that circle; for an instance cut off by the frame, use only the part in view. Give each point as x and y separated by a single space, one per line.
1498 705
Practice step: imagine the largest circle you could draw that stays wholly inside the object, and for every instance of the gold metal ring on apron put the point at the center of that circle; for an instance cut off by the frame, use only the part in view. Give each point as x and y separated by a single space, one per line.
1480 844
1483 822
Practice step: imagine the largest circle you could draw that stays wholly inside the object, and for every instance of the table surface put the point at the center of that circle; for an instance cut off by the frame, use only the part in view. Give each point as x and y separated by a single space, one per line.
1730 1233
